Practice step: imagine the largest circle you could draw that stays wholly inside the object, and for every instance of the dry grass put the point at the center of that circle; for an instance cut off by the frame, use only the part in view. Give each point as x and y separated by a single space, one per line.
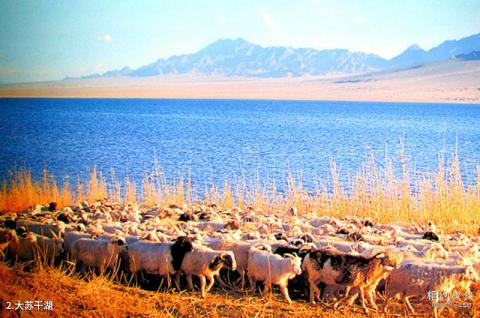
375 193
21 191
100 297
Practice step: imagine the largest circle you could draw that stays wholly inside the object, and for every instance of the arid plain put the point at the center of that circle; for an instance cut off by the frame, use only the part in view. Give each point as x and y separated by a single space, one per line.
443 82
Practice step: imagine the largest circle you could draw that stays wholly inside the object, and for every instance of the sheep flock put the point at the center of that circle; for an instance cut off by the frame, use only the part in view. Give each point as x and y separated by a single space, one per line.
340 262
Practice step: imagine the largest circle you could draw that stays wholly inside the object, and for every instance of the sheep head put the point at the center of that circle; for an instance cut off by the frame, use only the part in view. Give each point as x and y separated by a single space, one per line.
120 244
390 260
12 236
471 274
223 260
295 263
229 260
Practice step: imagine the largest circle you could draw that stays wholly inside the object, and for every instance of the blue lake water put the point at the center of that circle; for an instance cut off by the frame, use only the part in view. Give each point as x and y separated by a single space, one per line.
211 140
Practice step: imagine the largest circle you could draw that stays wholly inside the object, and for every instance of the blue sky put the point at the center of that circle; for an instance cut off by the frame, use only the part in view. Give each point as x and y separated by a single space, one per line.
48 40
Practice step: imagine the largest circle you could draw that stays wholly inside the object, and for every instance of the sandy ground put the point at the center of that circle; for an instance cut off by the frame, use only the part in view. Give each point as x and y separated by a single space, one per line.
448 82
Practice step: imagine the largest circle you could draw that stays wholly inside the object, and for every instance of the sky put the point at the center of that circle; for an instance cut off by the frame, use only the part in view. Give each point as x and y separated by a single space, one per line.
48 40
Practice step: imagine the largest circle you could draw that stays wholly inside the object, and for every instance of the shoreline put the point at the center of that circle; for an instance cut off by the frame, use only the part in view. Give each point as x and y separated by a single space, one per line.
451 82
454 102
274 94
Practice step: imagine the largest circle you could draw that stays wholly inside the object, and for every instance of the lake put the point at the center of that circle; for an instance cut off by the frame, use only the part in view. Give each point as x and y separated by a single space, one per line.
214 140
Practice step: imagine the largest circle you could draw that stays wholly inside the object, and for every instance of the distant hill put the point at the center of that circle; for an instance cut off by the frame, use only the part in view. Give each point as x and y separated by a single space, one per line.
242 58
472 56
415 55
239 57
452 81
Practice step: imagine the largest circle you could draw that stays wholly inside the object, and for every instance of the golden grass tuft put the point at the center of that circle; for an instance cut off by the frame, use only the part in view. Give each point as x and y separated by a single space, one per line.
21 191
98 296
376 192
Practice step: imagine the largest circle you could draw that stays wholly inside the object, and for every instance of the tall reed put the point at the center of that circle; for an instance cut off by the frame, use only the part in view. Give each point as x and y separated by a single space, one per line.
376 192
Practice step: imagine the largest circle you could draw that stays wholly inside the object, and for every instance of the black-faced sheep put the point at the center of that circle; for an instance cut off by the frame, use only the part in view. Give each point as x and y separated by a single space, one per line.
205 263
162 259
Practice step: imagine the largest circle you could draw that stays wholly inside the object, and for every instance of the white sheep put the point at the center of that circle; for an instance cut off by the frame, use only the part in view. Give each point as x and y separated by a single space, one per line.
98 253
209 226
364 248
49 248
24 248
338 244
156 258
424 277
272 269
467 252
205 263
432 251
112 228
418 244
110 236
71 237
49 230
318 222
152 257
241 252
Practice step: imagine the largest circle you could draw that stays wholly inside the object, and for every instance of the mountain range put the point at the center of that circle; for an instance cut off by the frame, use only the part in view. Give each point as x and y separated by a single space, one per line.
238 57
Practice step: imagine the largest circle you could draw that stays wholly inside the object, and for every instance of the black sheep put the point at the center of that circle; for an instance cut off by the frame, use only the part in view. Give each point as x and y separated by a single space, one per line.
180 247
430 236
280 236
52 207
10 224
185 217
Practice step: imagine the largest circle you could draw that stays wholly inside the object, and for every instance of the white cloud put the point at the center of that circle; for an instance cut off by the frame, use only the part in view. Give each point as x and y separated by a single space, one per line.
106 38
359 20
268 20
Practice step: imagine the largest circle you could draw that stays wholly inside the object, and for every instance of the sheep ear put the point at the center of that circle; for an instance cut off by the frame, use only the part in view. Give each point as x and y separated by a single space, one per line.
260 247
119 242
288 255
216 261
10 236
32 237
10 224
